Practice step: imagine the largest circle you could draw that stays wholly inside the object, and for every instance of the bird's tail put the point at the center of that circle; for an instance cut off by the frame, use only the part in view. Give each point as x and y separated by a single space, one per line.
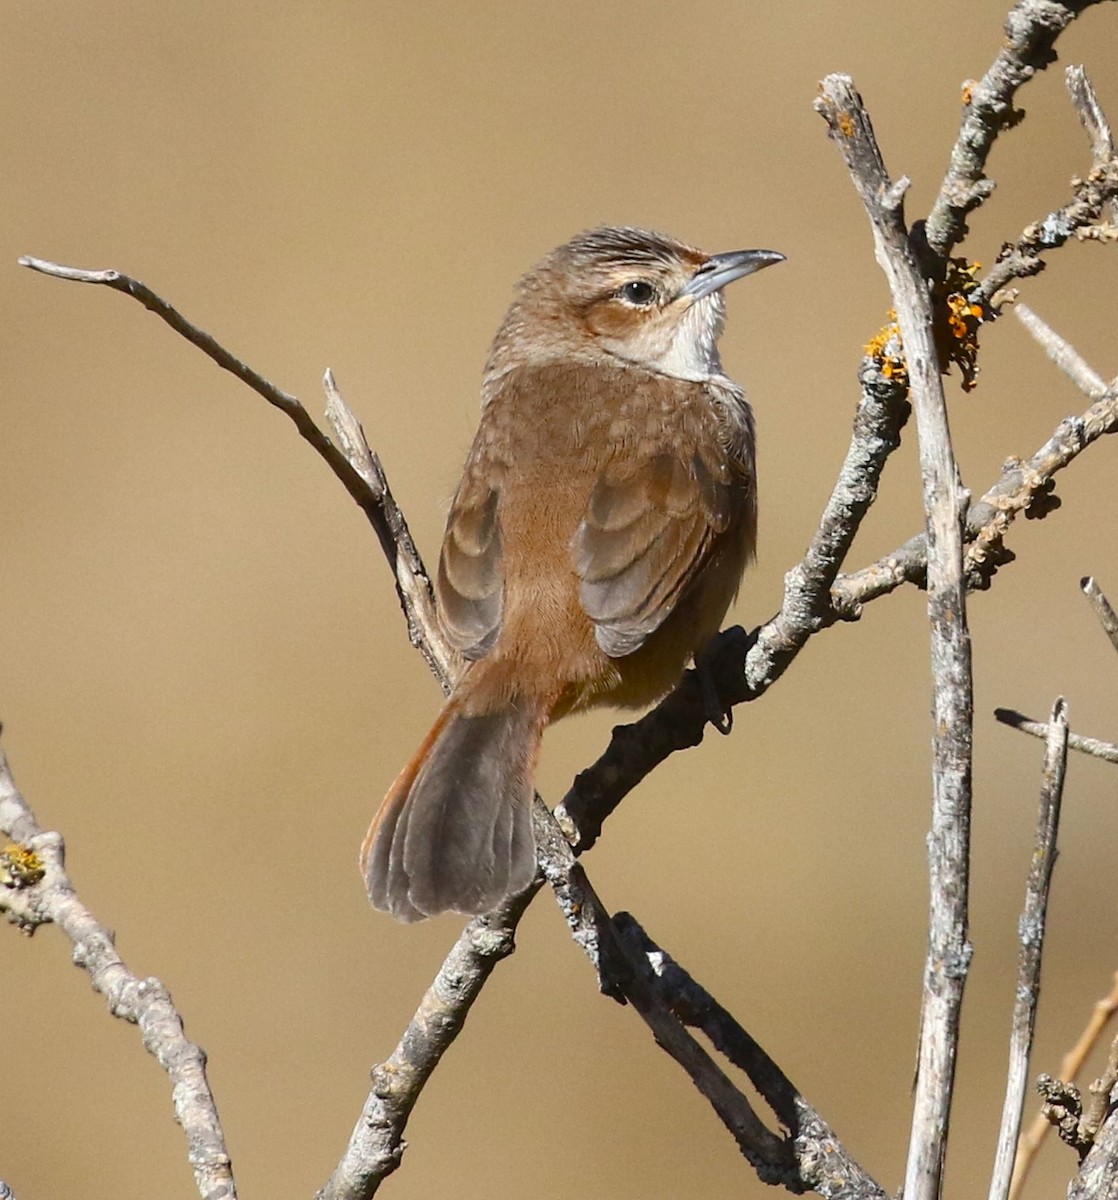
455 830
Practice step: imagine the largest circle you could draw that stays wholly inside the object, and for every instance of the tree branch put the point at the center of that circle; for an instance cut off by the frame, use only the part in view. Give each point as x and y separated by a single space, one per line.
1097 749
1101 1015
945 503
363 478
1062 353
1030 931
746 666
1108 619
35 890
1022 487
822 1163
1031 29
1093 120
377 1143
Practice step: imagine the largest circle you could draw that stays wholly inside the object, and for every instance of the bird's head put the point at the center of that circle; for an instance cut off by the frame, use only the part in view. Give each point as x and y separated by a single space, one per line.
627 294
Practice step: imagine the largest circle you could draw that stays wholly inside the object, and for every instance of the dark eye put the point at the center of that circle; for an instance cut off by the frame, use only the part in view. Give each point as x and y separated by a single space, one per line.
637 291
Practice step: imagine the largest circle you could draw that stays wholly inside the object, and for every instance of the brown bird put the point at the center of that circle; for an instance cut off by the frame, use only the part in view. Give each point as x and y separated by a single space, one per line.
606 512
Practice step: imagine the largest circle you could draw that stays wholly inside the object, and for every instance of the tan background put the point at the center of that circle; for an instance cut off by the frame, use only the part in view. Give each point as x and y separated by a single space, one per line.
205 680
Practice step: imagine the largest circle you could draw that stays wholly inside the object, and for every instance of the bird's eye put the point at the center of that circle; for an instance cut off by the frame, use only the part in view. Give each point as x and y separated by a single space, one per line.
637 291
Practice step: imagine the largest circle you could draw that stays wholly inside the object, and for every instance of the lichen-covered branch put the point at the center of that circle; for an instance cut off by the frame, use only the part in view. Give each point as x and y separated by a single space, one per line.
36 890
1023 487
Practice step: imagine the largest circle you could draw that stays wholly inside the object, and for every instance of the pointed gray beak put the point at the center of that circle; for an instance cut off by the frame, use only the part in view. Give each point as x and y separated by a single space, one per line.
721 269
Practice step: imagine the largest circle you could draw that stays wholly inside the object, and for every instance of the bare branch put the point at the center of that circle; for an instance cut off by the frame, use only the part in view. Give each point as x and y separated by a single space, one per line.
377 1142
1030 932
1098 1127
1031 28
1062 353
1022 487
35 890
626 980
413 584
1108 619
1093 120
1080 216
1097 749
945 502
1101 1015
374 501
823 1164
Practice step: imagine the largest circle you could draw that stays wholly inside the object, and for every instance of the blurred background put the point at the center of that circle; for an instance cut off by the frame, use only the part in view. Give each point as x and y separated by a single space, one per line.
205 680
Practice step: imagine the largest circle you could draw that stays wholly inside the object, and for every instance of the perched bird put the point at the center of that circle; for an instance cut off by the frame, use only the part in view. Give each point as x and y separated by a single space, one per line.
606 512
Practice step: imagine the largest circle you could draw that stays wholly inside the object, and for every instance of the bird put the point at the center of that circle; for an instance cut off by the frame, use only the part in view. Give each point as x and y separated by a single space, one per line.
606 513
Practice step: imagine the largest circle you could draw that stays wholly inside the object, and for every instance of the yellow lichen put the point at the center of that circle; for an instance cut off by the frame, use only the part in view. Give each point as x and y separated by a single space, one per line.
885 350
20 866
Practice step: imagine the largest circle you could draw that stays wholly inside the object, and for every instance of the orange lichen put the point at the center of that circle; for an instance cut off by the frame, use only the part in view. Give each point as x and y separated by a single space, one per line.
964 310
846 124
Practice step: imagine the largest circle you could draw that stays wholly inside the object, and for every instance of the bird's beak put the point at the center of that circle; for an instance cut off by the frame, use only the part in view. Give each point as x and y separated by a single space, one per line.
721 269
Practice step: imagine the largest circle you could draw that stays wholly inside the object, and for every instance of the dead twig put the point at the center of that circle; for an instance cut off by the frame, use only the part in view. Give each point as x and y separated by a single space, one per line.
1107 751
1030 932
1108 619
36 890
945 504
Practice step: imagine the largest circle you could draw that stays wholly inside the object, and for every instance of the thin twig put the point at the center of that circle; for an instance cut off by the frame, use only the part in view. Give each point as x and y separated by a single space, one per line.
36 891
1062 353
1108 619
1093 120
823 1164
413 587
1033 1138
412 581
377 1142
1107 751
1030 932
945 504
1091 196
1018 489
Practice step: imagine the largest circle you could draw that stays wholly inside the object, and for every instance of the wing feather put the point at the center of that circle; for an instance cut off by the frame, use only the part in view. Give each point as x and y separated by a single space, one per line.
648 529
470 583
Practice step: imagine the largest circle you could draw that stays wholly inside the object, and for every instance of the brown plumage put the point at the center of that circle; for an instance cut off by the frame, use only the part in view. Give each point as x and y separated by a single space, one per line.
605 515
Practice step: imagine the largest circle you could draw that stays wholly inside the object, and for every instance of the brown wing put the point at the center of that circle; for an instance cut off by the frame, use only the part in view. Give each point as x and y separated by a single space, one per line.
471 582
649 526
